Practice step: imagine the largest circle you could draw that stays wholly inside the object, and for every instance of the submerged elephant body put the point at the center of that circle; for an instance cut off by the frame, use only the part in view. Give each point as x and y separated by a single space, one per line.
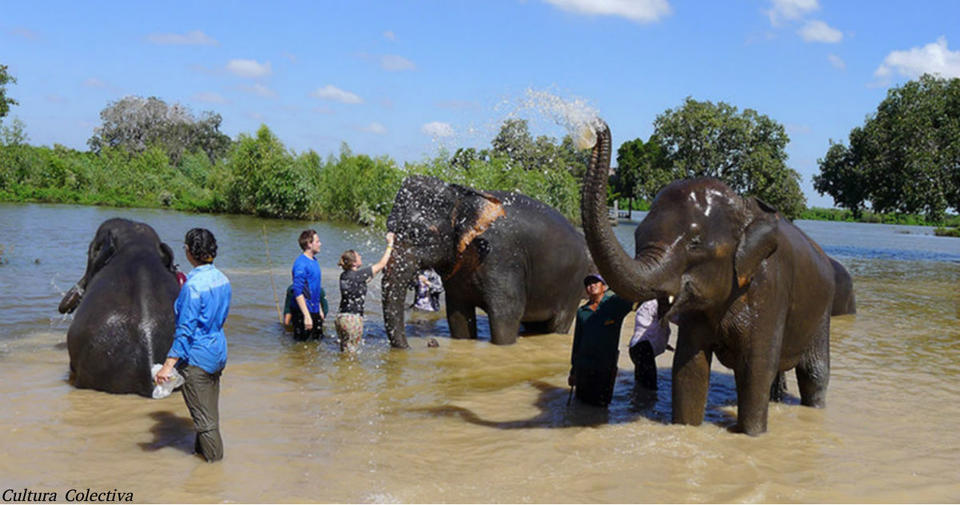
124 321
747 285
512 256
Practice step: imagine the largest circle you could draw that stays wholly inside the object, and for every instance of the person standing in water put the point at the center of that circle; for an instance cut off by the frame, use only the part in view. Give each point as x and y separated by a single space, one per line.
199 345
307 290
353 292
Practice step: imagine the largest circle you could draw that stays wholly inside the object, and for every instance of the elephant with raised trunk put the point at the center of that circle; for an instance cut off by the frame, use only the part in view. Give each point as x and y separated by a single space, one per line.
124 321
748 286
512 256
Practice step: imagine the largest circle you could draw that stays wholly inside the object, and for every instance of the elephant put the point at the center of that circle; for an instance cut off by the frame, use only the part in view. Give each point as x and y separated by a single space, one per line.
124 321
515 257
746 284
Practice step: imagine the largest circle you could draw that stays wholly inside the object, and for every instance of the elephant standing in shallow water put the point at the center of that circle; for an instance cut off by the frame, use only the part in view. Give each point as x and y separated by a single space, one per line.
124 321
748 286
514 257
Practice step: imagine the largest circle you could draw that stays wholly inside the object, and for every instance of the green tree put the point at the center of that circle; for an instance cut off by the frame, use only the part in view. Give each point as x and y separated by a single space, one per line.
906 156
746 150
135 124
641 170
5 101
264 178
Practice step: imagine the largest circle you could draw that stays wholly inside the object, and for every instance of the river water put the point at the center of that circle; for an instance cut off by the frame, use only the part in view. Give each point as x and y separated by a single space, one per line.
469 421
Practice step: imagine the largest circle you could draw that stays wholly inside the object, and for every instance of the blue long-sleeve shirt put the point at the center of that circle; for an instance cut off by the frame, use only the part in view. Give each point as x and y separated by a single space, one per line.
306 279
201 310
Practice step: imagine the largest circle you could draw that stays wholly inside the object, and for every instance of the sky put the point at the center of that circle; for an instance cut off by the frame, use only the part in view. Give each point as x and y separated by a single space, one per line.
406 78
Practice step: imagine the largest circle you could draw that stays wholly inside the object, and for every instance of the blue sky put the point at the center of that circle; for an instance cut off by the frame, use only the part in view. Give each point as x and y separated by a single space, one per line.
403 77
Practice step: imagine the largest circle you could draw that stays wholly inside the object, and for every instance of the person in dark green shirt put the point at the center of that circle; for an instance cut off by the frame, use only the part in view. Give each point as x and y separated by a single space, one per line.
596 337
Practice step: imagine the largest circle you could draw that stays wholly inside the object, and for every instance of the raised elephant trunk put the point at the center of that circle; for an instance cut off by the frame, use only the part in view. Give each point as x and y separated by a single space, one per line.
628 278
400 272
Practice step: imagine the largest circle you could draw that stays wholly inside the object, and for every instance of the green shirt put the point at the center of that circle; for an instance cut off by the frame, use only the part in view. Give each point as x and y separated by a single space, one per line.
596 335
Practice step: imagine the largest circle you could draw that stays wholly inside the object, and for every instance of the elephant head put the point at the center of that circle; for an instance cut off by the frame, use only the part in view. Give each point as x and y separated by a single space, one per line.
435 223
699 243
115 235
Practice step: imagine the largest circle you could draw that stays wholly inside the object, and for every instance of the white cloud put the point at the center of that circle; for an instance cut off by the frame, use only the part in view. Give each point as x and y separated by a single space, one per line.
259 90
389 35
24 33
933 58
375 127
93 82
396 63
437 129
194 38
837 61
209 97
643 11
818 31
790 9
331 92
249 68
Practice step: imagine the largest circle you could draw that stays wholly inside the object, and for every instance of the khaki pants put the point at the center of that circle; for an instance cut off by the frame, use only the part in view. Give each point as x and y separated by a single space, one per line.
201 392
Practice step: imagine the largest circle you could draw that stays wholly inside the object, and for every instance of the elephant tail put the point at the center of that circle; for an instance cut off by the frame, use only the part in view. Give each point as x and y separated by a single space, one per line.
844 299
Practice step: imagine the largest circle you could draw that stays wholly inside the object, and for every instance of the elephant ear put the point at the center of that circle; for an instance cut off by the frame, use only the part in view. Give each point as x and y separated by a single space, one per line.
758 242
473 215
166 256
101 253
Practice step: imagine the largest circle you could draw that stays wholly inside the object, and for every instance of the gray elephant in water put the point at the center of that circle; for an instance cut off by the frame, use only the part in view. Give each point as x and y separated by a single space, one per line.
748 286
124 321
516 258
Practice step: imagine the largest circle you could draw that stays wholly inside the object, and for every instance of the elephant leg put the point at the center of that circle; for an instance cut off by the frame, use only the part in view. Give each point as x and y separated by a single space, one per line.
753 396
778 389
462 318
505 306
691 377
813 371
505 325
561 321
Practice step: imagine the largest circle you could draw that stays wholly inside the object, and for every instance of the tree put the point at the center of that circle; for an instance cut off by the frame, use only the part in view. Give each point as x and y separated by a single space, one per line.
906 156
746 150
641 171
515 143
135 124
5 102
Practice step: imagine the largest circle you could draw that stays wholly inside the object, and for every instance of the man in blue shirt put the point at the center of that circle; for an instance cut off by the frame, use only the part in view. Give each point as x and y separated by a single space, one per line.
199 345
307 290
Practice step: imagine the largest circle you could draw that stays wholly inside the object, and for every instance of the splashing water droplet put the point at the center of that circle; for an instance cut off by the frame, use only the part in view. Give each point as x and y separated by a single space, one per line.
574 114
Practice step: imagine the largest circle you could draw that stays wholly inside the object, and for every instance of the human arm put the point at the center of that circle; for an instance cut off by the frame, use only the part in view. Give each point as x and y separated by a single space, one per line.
380 265
163 375
299 284
187 310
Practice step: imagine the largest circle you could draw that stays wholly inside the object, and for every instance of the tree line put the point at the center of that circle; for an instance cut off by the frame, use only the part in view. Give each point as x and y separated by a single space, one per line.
904 159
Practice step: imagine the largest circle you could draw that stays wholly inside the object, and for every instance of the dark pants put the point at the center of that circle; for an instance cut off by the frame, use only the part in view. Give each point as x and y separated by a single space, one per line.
300 332
201 392
595 386
645 373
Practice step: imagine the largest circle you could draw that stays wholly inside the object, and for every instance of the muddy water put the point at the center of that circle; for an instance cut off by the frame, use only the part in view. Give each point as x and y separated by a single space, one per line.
468 421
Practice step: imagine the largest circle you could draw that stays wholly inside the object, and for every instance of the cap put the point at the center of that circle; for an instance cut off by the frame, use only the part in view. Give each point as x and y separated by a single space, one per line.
590 279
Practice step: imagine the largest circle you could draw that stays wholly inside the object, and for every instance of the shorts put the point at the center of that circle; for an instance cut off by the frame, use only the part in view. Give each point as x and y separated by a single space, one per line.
350 331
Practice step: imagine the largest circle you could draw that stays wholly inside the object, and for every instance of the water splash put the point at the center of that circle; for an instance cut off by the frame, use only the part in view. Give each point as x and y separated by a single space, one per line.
575 114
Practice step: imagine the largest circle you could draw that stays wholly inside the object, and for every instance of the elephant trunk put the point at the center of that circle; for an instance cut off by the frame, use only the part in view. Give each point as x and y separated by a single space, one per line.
628 278
399 273
70 300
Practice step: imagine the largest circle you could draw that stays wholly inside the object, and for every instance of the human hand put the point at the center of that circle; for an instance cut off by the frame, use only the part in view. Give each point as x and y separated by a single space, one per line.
571 380
164 374
390 237
307 322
